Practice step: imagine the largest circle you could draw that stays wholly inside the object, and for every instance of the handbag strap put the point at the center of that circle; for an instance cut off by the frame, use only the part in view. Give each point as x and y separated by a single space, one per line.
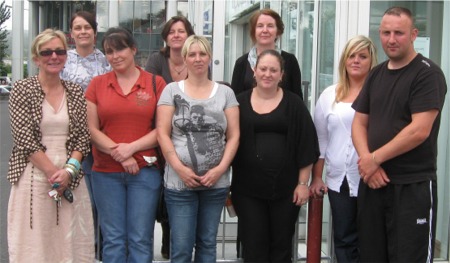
154 92
159 156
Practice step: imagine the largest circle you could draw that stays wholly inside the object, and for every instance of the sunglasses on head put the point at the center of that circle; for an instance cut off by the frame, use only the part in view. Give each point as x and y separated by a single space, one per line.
46 53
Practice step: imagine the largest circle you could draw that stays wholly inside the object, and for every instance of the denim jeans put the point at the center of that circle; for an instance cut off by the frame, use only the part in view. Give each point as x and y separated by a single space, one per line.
194 218
87 163
126 205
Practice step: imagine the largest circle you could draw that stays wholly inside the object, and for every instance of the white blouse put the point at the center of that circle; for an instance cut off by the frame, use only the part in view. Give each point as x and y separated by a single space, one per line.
333 123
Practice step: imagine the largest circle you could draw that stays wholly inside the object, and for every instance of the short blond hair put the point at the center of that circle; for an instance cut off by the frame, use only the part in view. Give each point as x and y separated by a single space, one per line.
204 44
44 37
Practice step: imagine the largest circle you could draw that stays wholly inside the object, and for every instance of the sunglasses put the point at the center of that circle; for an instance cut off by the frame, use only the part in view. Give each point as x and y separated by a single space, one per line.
59 52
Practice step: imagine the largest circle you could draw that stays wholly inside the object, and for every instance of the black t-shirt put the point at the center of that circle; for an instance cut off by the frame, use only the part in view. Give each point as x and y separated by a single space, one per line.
270 138
390 97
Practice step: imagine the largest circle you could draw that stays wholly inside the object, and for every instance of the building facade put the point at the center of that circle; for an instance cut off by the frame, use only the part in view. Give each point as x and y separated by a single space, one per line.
315 31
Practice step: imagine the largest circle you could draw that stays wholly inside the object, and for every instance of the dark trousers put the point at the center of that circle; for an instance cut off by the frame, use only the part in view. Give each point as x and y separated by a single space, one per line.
345 232
266 228
165 242
397 223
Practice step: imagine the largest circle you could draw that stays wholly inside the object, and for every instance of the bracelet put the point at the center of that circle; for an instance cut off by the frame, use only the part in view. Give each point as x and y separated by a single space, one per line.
71 173
302 183
70 169
74 162
373 158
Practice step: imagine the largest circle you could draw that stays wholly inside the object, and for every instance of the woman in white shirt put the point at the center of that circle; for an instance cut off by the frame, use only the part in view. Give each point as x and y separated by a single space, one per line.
333 120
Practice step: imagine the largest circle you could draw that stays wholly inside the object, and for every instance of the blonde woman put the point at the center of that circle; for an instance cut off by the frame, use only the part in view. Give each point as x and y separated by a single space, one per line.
50 136
333 120
198 132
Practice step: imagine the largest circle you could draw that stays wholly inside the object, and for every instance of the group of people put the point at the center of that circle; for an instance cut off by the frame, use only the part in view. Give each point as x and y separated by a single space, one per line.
103 117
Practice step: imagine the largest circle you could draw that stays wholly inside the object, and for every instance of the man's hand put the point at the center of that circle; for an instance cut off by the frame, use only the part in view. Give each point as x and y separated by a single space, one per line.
367 166
378 179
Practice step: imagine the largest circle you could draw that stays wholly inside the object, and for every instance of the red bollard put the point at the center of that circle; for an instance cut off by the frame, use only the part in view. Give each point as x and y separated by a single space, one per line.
314 240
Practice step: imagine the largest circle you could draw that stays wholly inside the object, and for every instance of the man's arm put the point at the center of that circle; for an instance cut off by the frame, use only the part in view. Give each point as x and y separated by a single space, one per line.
374 175
359 138
409 137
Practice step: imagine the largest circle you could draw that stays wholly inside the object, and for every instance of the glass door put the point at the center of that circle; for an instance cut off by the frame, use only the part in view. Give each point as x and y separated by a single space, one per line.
309 35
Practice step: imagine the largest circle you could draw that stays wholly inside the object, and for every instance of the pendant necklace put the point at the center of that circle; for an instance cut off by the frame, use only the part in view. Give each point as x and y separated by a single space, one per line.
181 70
178 71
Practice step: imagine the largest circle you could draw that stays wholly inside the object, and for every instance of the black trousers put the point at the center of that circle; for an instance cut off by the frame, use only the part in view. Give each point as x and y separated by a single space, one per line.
397 223
266 227
345 233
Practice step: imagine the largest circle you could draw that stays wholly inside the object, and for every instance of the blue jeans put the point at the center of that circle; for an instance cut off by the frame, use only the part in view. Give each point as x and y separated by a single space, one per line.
194 218
87 163
126 205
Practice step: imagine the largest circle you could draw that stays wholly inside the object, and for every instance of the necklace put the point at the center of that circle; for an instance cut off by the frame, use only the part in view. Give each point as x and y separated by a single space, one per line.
176 70
179 71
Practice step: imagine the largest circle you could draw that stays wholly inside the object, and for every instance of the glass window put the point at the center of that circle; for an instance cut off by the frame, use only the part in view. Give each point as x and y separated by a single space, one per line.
145 19
325 55
182 8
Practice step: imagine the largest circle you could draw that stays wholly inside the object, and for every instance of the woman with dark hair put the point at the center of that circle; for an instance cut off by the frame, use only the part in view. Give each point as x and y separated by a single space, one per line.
266 27
121 109
50 136
83 63
270 180
168 62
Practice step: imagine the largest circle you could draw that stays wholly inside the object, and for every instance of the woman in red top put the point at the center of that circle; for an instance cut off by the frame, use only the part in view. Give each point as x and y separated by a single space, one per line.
121 107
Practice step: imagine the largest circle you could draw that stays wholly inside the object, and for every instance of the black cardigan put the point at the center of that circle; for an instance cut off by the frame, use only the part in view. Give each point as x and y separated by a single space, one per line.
302 146
242 79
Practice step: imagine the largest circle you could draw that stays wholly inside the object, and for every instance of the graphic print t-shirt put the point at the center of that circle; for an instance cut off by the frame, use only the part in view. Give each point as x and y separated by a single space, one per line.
198 130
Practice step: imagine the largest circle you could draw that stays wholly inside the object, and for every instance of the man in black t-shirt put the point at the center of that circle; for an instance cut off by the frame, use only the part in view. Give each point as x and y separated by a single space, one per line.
395 131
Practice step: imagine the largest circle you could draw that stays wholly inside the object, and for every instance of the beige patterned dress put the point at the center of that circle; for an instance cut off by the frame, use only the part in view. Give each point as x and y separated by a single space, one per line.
38 230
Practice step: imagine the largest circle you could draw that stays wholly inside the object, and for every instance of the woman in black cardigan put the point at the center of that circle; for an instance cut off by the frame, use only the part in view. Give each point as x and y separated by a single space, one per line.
266 27
272 166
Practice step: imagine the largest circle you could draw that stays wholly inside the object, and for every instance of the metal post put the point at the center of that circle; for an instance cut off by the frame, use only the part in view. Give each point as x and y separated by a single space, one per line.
314 240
